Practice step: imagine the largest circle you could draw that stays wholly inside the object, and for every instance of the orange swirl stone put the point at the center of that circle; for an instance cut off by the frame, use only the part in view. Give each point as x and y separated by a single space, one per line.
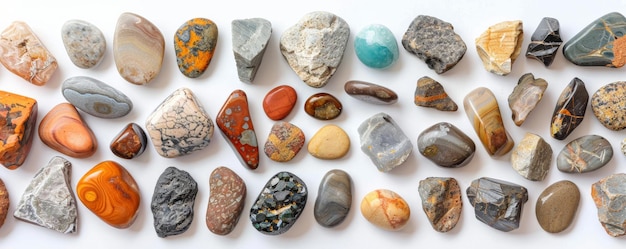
18 117
111 193
63 130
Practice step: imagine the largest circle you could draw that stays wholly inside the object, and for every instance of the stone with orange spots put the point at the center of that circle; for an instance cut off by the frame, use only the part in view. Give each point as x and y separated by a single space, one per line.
608 104
429 93
284 142
236 125
63 130
569 110
18 117
194 44
385 209
601 43
441 201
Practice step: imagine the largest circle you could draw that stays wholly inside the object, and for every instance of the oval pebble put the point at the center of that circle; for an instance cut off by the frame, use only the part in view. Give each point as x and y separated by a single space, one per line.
584 154
84 42
608 104
445 145
334 198
279 102
385 209
96 97
226 201
329 142
370 92
557 205
323 106
194 44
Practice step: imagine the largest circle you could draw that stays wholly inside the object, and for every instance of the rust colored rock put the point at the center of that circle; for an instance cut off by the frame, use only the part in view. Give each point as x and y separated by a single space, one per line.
63 130
4 202
226 201
441 201
236 125
130 142
279 102
18 117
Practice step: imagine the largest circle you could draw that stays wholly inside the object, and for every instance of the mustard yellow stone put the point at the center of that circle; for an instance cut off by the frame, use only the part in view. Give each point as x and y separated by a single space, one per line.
330 142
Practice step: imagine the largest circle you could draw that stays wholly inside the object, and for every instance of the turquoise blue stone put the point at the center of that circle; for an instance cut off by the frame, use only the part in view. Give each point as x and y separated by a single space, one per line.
376 46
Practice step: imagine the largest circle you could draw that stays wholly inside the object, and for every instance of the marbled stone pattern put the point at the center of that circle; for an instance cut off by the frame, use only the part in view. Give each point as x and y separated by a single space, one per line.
48 200
384 142
22 53
226 200
601 43
130 142
334 198
608 104
441 201
138 48
172 202
4 202
250 38
608 194
545 41
557 205
18 118
526 96
497 203
284 142
84 43
499 46
481 108
569 110
64 130
370 92
329 142
445 145
279 204
430 93
278 102
584 154
376 46
532 157
235 122
96 97
385 209
435 42
194 45
323 106
179 125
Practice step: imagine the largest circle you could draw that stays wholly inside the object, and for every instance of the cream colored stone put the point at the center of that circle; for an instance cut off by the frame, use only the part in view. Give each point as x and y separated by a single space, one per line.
499 46
330 142
385 209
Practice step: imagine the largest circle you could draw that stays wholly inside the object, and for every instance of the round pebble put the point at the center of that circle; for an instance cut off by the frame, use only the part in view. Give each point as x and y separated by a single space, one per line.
557 205
376 46
279 102
323 106
330 142
385 209
84 42
608 105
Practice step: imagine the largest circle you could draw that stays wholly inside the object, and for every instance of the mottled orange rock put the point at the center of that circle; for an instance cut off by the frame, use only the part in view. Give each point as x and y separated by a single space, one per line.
4 202
194 44
385 209
18 117
63 130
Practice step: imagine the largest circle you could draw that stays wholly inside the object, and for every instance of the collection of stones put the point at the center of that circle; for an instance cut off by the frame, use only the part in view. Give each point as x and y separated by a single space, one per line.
313 48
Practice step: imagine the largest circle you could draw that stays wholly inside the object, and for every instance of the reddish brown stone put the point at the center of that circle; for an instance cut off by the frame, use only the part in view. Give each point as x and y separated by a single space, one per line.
279 102
4 202
130 142
323 106
63 130
18 117
284 142
226 201
236 125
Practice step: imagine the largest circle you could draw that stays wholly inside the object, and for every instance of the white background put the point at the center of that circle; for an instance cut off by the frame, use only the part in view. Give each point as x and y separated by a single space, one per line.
470 19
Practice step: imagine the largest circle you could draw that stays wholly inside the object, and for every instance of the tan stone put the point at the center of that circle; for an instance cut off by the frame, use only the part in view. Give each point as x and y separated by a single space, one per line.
499 46
330 142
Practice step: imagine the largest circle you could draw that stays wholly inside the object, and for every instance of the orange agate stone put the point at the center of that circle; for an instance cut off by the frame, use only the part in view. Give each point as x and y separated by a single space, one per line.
18 117
63 130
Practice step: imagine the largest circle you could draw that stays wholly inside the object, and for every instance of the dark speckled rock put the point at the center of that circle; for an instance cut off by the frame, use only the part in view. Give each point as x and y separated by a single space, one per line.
584 154
608 194
569 110
172 202
545 42
445 145
194 44
226 201
441 201
334 198
84 42
608 104
601 43
497 203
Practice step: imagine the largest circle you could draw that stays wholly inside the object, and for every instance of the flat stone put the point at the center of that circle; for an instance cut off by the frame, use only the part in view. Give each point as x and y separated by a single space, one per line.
130 142
435 42
584 154
370 92
194 45
84 43
429 93
384 142
279 204
376 46
481 108
18 117
110 192
569 110
608 194
226 200
497 203
532 157
236 125
608 104
441 201
499 46
284 142
557 205
4 203
25 55
95 97
48 200
138 48
445 145
545 41
172 202
334 198
179 125
64 130
250 39
525 97
601 43
385 209
323 106
314 46
329 142
279 102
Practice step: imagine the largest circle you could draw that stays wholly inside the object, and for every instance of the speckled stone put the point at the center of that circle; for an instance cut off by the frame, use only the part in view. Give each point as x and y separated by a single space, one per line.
557 205
95 97
284 142
172 202
84 43
608 194
623 146
250 38
570 109
18 122
545 41
601 43
236 124
334 198
497 203
526 96
608 104
445 145
384 142
130 142
584 154
4 203
500 45
441 201
278 102
226 200
385 209
376 46
430 93
370 92
481 108
194 45
329 142
532 157
323 106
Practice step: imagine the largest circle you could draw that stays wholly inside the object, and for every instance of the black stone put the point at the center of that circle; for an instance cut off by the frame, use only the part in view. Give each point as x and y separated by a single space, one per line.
497 203
545 42
569 110
173 201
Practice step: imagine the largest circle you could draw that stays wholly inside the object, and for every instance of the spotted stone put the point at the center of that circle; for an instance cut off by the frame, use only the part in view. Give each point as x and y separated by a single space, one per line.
284 142
608 104
236 125
194 45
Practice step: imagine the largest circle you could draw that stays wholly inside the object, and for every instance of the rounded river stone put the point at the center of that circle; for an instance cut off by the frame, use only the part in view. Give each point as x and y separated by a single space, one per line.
334 198
284 142
556 206
445 145
329 142
370 93
584 154
96 97
608 104
385 209
226 201
323 106
84 42
376 46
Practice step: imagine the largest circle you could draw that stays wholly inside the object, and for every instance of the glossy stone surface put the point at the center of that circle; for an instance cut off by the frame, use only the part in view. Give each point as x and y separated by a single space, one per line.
138 48
84 43
435 42
445 145
526 96
323 106
429 93
481 108
499 46
334 198
385 209
194 45
314 46
226 200
48 200
130 142
384 142
601 43
279 204
329 142
236 125
111 193
172 202
18 117
608 194
569 110
608 104
279 102
545 41
22 53
441 201
4 203
250 38
532 157
63 130
179 125
376 46
557 205
284 142
96 97
584 154
370 92
497 203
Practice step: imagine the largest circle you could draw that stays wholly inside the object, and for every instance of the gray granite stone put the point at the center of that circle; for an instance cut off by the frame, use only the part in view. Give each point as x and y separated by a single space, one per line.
445 145
383 142
172 202
608 194
532 157
334 198
584 154
497 203
84 42
96 97
250 39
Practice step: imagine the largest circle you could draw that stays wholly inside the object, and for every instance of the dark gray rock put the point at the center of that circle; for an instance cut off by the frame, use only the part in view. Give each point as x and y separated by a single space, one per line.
497 203
383 142
584 154
334 198
545 41
608 194
250 39
96 97
172 202
445 145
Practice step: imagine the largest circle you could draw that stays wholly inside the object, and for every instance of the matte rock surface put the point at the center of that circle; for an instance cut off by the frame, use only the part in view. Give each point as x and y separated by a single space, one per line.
385 209
601 43
545 41
526 96
370 92
532 157
384 142
63 130
323 106
584 154
569 110
130 142
608 194
226 200
284 142
4 203
376 47
430 93
236 125
250 38
329 142
445 145
95 97
497 203
172 202
84 43
194 45
608 104
334 198
18 119
441 201
557 205
481 108
499 46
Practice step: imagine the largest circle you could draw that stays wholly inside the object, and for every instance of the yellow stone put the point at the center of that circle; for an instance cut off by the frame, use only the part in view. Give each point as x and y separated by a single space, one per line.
385 209
330 142
499 46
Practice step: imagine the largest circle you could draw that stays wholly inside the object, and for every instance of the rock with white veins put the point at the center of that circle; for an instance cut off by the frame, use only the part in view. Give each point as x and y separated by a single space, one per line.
250 39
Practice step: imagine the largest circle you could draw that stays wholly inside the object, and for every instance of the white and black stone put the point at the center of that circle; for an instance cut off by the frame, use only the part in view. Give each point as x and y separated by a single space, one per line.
172 202
545 41
250 39
334 198
497 203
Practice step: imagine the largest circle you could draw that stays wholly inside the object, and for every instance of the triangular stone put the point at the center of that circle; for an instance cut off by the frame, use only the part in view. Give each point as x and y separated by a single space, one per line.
601 43
250 39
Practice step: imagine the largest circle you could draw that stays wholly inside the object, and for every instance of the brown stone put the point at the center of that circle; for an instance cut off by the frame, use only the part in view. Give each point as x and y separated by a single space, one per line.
63 130
279 102
430 93
226 201
441 201
284 142
130 142
481 107
557 205
18 117
323 106
4 202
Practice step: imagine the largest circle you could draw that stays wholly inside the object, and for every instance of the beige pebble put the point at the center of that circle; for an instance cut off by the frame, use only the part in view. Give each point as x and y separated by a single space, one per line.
330 142
385 209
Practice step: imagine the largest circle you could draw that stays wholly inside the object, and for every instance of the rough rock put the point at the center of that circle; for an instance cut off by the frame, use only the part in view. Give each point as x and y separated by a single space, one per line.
499 46
430 93
18 122
608 194
532 157
250 39
441 201
172 202
526 96
497 203
545 41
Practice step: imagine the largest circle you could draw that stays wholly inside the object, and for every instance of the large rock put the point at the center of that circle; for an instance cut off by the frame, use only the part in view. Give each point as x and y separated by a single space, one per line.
172 202
497 203
601 43
608 194
384 142
250 39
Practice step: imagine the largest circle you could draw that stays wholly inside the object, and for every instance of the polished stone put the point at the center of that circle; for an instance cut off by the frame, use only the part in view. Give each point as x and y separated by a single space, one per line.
430 93
499 46
545 41
194 45
497 203
569 110
584 154
48 200
95 97
329 142
526 96
130 142
334 198
623 146
226 200
481 108
172 202
435 42
279 102
445 145
376 46
370 92
384 142
608 104
532 157
385 209
18 118
235 122
4 203
557 206
250 38
84 43
608 194
284 142
64 130
441 201
601 43
323 106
